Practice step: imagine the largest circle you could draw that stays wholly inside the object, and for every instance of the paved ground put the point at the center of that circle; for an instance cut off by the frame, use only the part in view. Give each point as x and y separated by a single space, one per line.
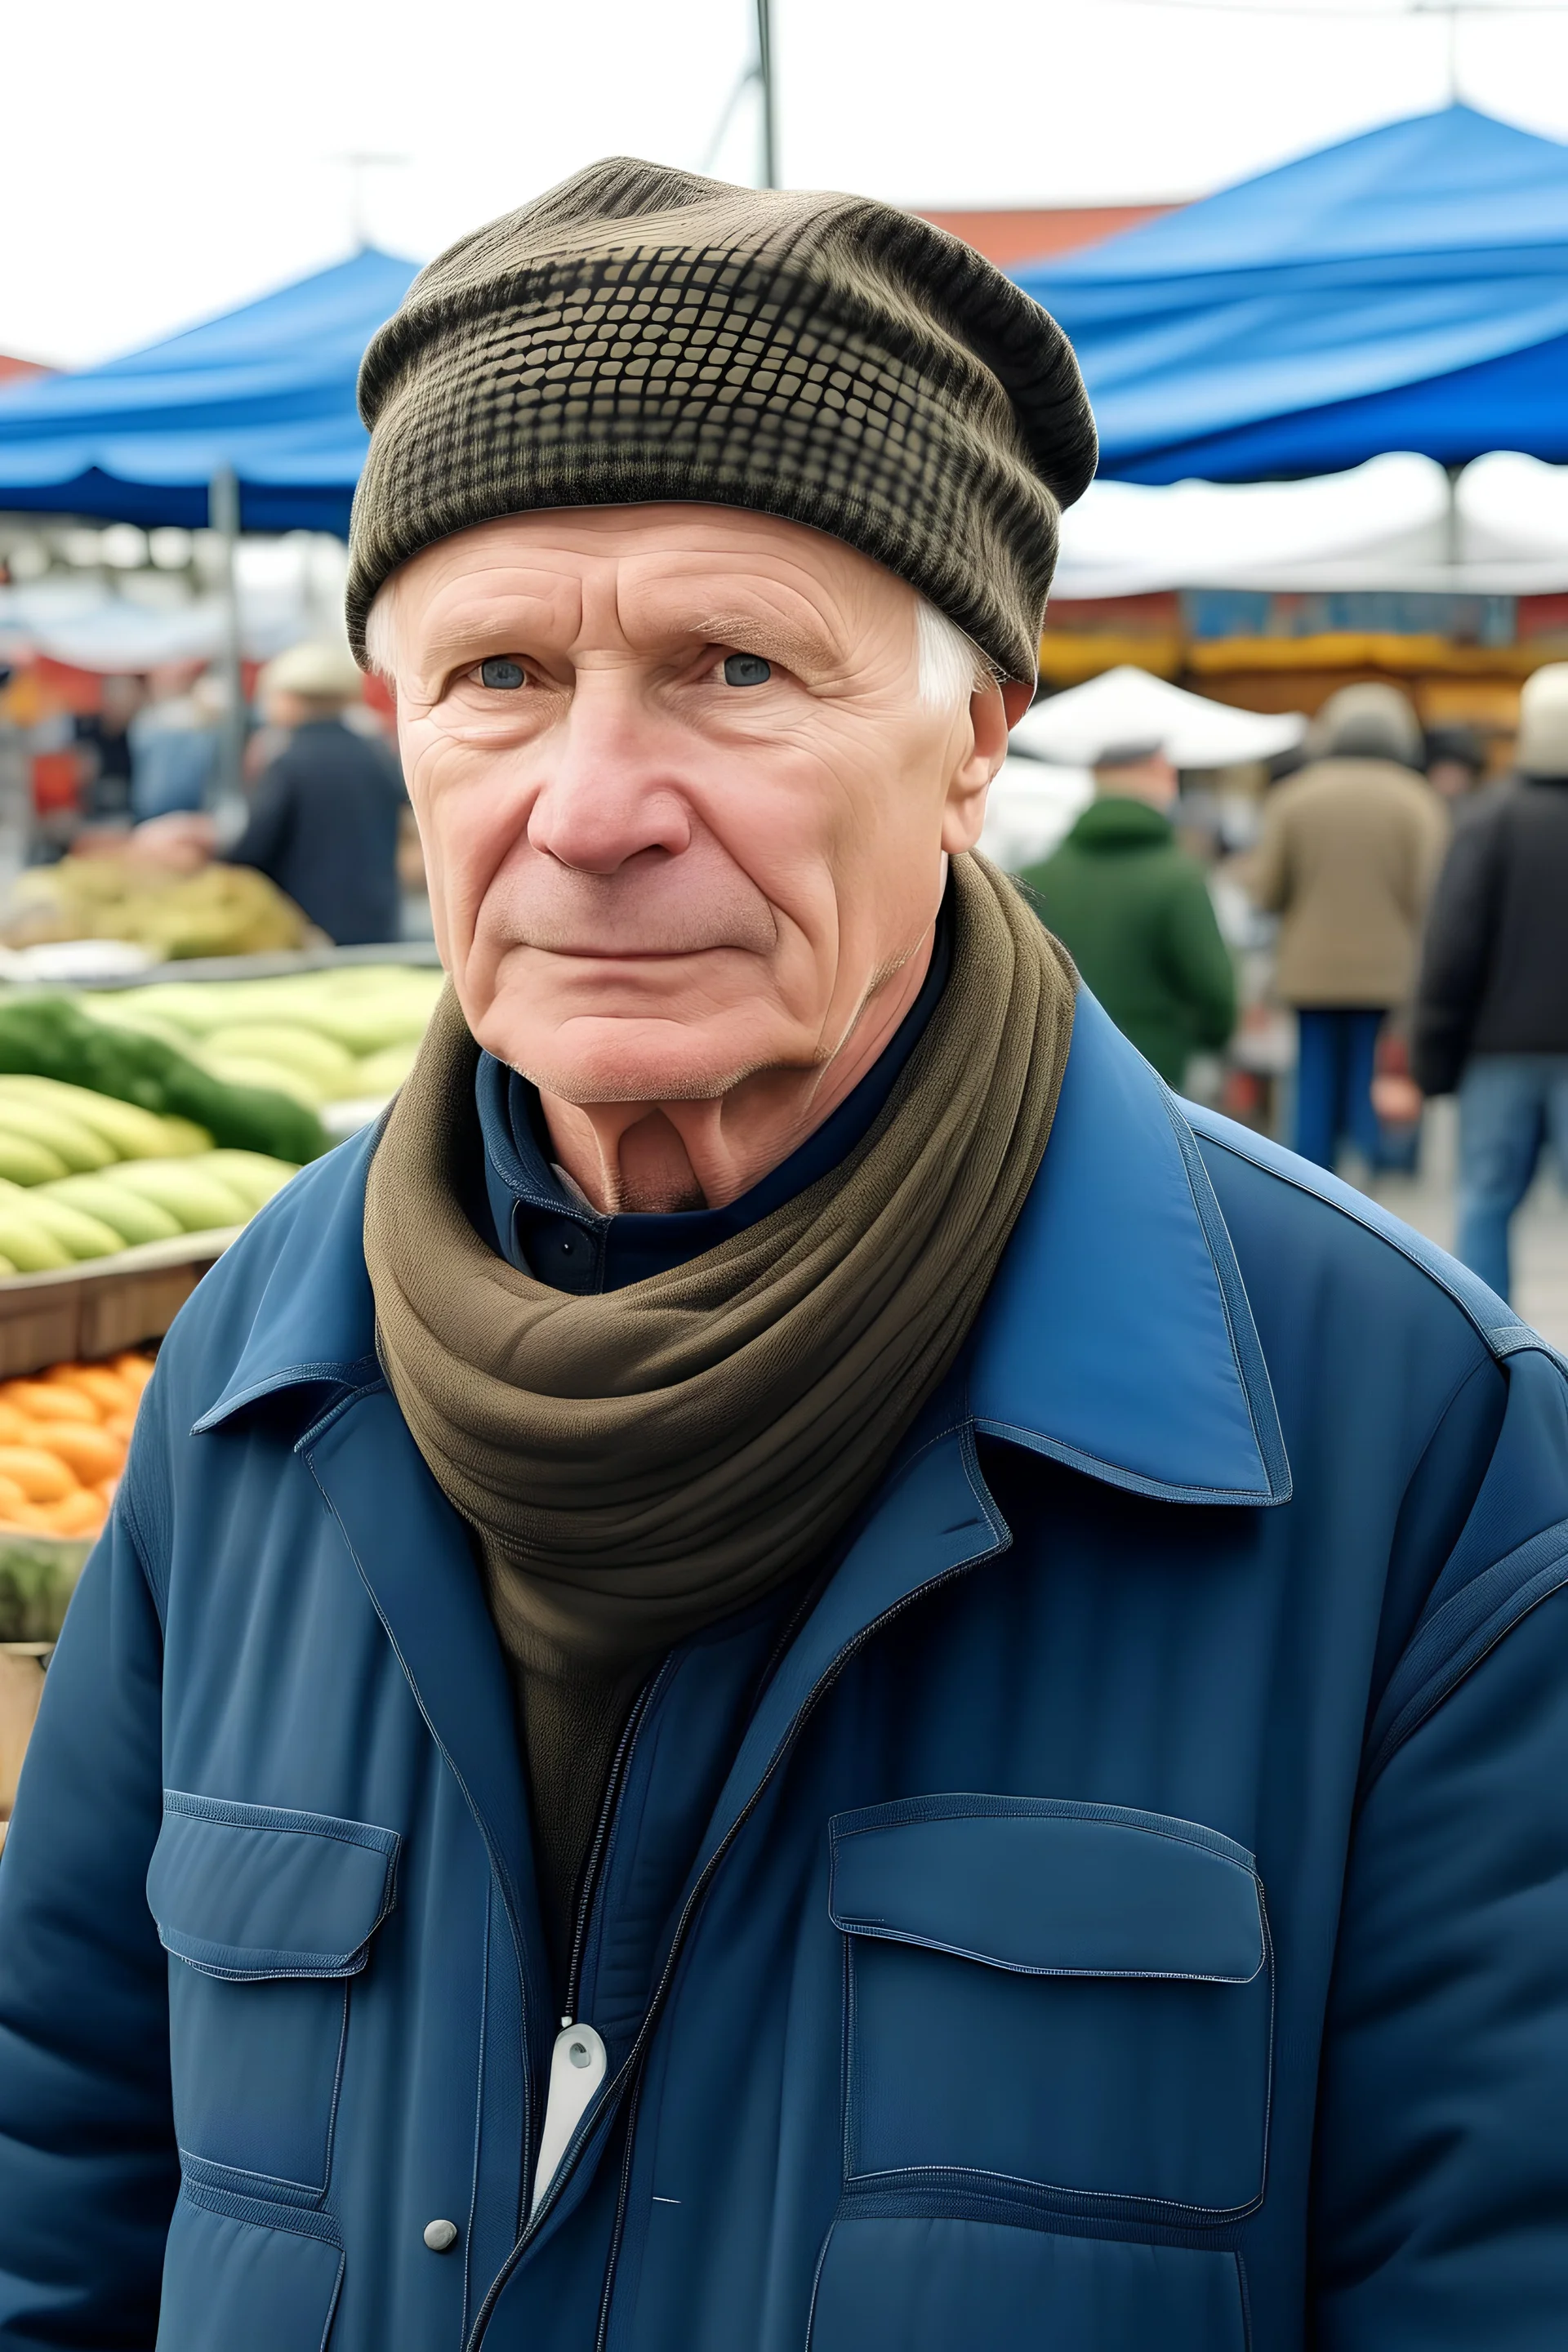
1540 1230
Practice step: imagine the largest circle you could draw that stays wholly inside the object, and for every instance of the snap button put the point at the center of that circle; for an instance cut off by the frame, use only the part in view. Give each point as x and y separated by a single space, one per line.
440 2236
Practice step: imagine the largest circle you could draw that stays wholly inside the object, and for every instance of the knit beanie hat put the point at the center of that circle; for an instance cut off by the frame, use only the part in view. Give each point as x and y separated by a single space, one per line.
640 334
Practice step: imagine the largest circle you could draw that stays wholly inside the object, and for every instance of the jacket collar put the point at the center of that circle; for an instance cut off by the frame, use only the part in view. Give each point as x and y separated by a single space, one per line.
1117 1337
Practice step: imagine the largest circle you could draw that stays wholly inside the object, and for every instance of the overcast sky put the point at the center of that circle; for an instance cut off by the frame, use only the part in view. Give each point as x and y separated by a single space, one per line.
165 159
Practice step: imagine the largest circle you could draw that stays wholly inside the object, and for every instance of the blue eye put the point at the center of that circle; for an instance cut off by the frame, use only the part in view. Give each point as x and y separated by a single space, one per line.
501 670
747 669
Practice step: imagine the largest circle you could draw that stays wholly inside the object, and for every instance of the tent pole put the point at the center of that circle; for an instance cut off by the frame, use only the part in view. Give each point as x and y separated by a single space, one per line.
223 516
765 86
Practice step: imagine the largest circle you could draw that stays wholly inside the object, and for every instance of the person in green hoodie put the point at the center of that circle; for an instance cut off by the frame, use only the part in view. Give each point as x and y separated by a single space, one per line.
1135 913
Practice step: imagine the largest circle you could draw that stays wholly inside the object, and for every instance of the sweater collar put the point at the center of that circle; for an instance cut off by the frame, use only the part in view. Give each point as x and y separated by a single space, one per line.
1151 1379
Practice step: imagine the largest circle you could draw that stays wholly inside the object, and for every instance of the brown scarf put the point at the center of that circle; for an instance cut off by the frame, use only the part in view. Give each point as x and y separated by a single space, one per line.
638 1463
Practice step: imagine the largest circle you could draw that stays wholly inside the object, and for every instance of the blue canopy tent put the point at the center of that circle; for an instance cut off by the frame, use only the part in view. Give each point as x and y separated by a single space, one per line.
1406 290
247 422
261 399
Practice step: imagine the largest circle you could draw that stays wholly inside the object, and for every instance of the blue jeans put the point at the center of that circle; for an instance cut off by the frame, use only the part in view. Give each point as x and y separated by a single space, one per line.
1334 1059
1508 1105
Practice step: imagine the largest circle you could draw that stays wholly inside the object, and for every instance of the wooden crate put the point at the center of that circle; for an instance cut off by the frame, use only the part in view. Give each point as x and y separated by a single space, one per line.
103 1305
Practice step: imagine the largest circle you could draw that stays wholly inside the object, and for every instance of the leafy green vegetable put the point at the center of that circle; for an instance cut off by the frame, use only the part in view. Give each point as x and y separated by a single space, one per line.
47 1037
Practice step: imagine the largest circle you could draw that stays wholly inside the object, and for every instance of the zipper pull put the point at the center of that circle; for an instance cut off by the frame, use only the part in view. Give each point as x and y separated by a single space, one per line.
577 2066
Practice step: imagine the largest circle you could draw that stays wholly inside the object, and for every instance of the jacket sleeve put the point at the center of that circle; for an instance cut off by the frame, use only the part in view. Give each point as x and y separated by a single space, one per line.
1437 834
88 2165
1441 2199
1199 965
1457 955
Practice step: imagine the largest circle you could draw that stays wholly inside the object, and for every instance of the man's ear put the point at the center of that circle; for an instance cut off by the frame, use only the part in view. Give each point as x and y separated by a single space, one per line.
1016 696
993 710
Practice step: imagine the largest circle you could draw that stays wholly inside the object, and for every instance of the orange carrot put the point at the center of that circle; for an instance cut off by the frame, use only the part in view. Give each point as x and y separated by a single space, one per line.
97 1383
89 1454
79 1514
41 1477
44 1401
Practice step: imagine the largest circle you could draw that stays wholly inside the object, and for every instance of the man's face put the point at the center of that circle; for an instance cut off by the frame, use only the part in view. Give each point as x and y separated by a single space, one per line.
683 809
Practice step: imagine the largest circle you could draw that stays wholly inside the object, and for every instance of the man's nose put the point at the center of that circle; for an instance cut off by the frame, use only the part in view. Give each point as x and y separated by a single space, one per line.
612 792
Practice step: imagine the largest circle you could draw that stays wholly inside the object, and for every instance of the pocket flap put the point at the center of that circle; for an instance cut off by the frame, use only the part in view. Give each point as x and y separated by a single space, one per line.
1047 1887
250 1891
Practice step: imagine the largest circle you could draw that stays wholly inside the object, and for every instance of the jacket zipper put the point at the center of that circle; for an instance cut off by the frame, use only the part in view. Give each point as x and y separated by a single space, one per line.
591 1868
634 2100
616 2089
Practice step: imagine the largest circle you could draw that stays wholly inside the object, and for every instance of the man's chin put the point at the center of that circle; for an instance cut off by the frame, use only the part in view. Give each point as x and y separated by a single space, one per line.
627 1061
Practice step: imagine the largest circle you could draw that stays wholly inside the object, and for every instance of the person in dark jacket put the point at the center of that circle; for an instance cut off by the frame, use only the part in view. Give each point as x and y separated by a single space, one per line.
794 1668
1491 1014
1133 911
325 815
1455 764
105 739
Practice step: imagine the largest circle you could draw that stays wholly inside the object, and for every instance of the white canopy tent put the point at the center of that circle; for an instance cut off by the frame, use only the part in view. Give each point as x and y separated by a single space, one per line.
1126 705
1396 523
1046 779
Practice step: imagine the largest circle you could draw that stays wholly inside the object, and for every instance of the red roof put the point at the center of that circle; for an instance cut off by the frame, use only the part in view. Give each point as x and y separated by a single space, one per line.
1023 233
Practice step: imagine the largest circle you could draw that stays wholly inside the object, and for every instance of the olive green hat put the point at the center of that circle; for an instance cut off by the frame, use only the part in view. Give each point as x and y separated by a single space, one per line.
640 334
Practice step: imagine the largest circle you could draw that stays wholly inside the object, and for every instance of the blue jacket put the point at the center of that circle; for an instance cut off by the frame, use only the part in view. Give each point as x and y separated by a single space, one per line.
1127 1909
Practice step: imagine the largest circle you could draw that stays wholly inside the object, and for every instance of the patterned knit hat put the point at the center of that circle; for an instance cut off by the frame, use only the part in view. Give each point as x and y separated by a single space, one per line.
639 334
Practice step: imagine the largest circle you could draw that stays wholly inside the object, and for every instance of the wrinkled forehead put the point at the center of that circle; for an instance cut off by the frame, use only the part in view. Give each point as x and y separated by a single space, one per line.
646 574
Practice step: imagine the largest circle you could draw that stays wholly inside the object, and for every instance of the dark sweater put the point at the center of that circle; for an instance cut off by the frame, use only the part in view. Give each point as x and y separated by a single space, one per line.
324 826
1494 967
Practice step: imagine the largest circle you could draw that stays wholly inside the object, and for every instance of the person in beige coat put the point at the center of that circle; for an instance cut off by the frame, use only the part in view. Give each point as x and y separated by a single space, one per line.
1350 848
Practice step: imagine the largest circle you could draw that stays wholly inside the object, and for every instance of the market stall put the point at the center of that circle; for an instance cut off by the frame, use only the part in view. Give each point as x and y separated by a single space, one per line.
141 1124
1333 414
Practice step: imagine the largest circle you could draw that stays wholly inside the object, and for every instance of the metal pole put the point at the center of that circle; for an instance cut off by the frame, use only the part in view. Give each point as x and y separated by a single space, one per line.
223 516
765 84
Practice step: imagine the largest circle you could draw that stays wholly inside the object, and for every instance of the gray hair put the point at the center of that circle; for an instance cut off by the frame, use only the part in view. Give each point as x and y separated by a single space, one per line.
951 666
1369 721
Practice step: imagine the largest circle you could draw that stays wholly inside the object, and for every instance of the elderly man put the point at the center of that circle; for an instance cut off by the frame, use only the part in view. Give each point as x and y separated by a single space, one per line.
792 1667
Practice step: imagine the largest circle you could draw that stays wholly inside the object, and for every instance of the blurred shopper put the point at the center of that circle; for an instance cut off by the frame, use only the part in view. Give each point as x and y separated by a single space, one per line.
104 737
325 817
1491 1016
1350 848
1133 911
1455 764
176 742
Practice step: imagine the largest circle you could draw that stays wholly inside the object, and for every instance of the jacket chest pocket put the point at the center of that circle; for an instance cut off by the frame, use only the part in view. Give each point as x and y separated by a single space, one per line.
269 1917
1073 2000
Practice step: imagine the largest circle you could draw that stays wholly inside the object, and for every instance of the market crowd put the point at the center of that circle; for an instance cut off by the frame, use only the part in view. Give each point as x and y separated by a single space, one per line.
1422 911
